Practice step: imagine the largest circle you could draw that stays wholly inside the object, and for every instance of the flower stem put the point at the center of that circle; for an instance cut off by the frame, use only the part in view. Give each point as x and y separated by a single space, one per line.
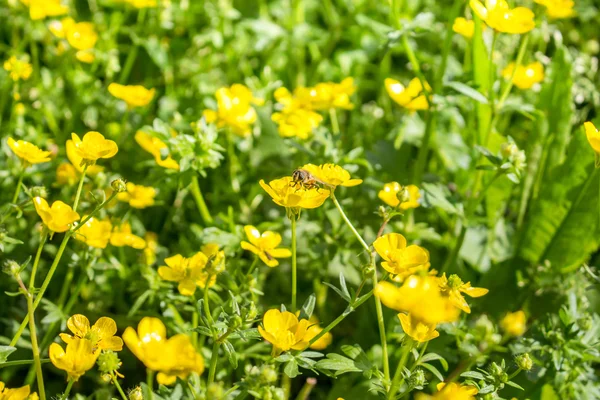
37 260
294 263
206 304
35 348
18 188
22 362
214 357
65 395
519 60
116 382
202 208
76 203
381 324
352 228
335 126
253 265
398 374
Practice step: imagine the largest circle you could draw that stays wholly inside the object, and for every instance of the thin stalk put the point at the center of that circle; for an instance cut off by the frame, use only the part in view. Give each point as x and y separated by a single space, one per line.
518 61
116 382
352 228
18 189
214 357
36 261
76 203
381 324
206 305
22 362
252 266
294 263
195 325
398 374
65 395
202 208
517 372
35 348
306 389
335 126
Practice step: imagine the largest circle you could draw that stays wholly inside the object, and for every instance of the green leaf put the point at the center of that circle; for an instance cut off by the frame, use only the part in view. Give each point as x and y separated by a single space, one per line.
481 76
548 393
434 371
436 195
6 351
291 369
434 356
231 354
516 386
473 375
467 91
338 363
308 307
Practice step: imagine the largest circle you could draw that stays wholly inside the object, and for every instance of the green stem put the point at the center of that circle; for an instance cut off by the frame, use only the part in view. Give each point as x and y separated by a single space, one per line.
18 189
37 259
22 362
352 228
294 263
150 379
398 374
214 357
511 376
519 60
35 348
335 127
116 382
381 324
202 208
306 389
65 395
286 385
80 187
252 266
415 364
195 325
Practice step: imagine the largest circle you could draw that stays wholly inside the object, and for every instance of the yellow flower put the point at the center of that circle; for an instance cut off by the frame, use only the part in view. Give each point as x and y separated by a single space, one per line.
331 175
142 3
156 147
389 195
328 95
296 122
21 393
138 196
285 193
514 324
525 75
172 358
416 329
66 174
500 17
451 391
313 330
82 35
40 9
284 331
234 109
122 236
77 161
464 27
60 28
28 152
411 97
401 259
57 218
133 95
454 286
95 233
593 136
79 357
151 248
85 56
265 245
92 147
101 334
186 271
19 70
558 8
419 296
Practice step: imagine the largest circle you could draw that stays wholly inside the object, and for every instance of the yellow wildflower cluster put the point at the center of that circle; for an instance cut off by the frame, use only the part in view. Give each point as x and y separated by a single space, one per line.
82 36
19 70
199 270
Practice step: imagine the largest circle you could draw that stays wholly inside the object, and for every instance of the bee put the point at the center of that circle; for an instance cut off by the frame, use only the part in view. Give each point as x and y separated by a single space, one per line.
302 179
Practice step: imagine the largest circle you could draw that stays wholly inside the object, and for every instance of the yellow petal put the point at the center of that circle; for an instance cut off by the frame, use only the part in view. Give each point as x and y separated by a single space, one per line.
79 325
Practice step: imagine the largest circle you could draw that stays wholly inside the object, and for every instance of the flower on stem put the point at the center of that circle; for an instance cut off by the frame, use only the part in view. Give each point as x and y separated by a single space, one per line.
122 236
499 16
22 393
557 9
40 9
234 109
138 196
284 331
393 194
77 161
95 233
188 272
286 193
57 218
19 70
593 136
79 357
417 329
133 95
526 75
331 175
464 27
453 287
313 330
264 245
514 324
451 391
400 259
92 147
411 97
157 148
101 334
28 152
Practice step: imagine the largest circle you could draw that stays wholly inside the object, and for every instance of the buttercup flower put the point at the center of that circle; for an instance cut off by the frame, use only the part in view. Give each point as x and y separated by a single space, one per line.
453 287
451 391
40 9
284 331
416 329
66 174
296 122
328 95
514 324
94 233
285 193
82 35
101 334
57 218
79 357
500 17
59 28
19 70
313 330
85 56
133 95
21 393
411 97
138 196
234 109
122 236
558 8
593 136
464 27
74 157
28 152
186 271
525 75
331 175
156 147
93 146
265 245
390 191
401 259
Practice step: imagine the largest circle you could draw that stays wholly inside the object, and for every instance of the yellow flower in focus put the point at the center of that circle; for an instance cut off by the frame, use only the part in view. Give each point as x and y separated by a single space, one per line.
557 9
156 147
133 95
40 9
390 191
186 271
400 259
138 196
465 27
151 248
101 334
417 330
411 97
77 161
78 358
57 218
264 245
313 330
28 152
179 360
331 175
500 17
285 193
66 174
296 122
453 287
234 109
94 233
21 393
284 331
93 146
122 236
328 95
419 296
19 70
451 391
514 324
593 136
525 75
82 35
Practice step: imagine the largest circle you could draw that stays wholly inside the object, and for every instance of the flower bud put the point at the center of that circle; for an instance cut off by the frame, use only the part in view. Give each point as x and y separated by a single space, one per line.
108 361
136 394
118 185
39 191
11 268
268 374
524 361
236 322
585 323
417 379
252 312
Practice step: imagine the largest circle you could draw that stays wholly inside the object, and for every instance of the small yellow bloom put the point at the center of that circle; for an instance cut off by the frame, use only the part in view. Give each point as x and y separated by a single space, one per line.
79 357
101 334
82 35
285 193
264 245
284 331
142 3
451 391
57 218
40 9
525 75
557 9
133 95
66 174
77 161
151 248
416 329
234 109
328 95
138 196
95 233
500 17
400 259
390 191
85 56
156 147
514 324
21 393
464 27
93 146
453 287
28 152
313 330
122 236
593 136
19 70
296 122
331 175
60 28
186 271
411 97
